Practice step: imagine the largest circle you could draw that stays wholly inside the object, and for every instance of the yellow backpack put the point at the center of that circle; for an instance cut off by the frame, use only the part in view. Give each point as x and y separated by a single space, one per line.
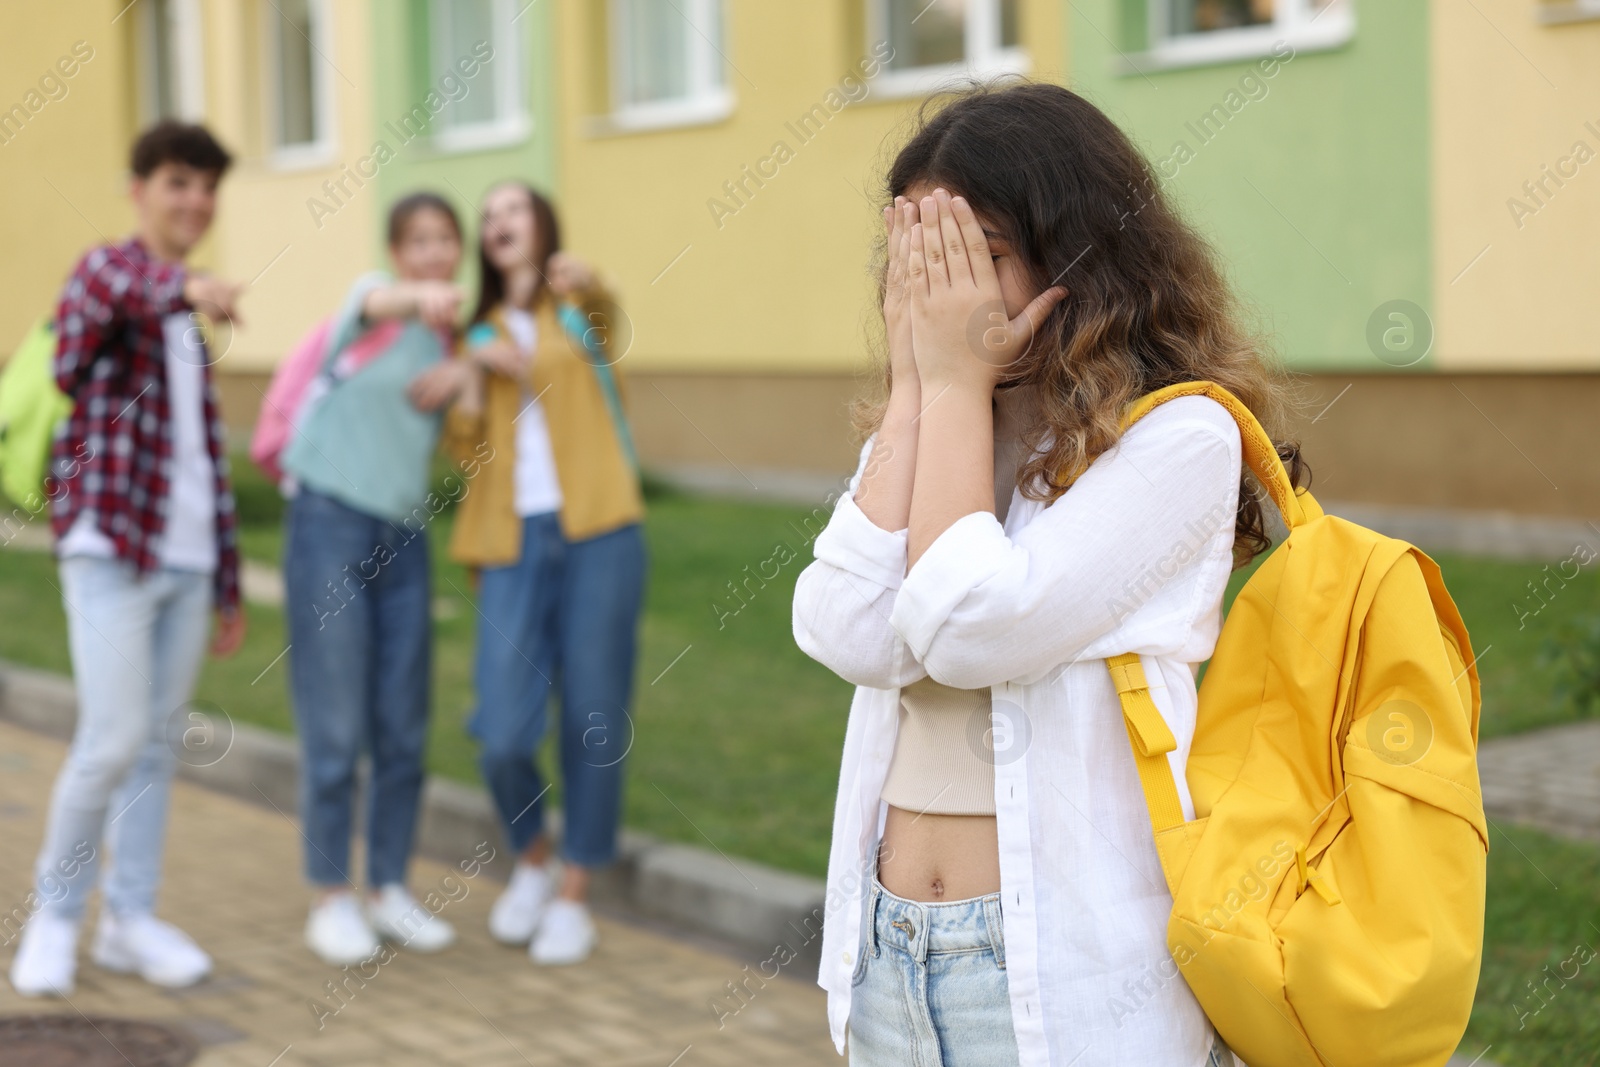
1328 898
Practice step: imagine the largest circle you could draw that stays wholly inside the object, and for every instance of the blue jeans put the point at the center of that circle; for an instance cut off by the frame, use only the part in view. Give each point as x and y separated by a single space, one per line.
360 634
565 614
930 986
137 644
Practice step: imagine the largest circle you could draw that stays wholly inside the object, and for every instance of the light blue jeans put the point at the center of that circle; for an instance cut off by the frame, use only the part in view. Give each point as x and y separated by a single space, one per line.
137 645
930 986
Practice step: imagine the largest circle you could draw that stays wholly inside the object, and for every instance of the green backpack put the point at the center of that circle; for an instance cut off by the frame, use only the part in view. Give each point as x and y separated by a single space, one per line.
31 407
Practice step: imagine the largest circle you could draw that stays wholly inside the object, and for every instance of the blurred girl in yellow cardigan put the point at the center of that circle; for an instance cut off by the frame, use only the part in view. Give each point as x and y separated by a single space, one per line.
553 523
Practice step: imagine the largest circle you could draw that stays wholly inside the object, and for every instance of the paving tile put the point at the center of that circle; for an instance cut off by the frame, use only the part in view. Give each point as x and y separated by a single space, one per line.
1548 779
233 881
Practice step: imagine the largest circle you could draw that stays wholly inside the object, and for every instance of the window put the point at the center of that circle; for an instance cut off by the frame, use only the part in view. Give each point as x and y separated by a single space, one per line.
170 82
484 108
1559 12
1187 32
667 62
934 40
299 97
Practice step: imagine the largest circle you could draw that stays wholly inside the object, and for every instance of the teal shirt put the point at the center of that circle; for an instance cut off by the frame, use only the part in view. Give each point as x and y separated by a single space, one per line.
362 442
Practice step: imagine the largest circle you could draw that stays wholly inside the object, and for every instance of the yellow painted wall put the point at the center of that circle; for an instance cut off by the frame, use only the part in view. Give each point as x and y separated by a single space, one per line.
62 174
264 230
1509 97
64 177
782 284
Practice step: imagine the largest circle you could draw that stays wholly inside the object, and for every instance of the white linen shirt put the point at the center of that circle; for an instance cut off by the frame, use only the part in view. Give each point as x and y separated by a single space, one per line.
1133 558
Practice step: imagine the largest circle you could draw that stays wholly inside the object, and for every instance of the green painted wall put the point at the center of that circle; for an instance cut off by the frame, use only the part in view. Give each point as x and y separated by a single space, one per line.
401 75
1337 151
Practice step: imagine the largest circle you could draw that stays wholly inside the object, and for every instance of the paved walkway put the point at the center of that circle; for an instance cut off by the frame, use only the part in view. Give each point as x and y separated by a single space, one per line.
233 882
645 998
1546 778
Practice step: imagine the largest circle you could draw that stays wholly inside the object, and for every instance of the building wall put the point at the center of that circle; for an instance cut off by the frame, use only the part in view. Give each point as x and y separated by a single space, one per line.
270 231
400 31
1314 192
63 166
778 278
1386 169
67 168
1515 264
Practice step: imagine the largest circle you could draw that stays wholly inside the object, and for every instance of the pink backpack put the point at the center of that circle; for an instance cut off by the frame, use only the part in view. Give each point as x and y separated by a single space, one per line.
280 407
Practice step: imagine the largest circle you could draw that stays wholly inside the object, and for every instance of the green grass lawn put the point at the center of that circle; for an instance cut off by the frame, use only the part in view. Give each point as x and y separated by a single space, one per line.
737 733
1542 930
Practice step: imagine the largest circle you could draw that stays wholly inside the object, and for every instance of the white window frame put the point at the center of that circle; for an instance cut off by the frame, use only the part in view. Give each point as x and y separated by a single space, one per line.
509 126
324 149
710 99
1562 12
1293 23
985 56
187 53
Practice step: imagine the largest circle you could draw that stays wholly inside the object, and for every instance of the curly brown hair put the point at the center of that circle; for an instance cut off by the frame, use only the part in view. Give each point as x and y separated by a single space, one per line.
1147 305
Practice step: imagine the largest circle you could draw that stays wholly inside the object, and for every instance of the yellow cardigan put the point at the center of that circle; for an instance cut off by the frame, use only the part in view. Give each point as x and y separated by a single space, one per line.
599 488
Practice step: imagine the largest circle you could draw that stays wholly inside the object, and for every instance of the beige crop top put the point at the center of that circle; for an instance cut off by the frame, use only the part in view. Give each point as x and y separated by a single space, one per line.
943 760
942 763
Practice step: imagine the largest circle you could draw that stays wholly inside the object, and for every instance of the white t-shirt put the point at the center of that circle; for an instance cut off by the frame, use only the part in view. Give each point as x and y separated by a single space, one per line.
189 541
538 489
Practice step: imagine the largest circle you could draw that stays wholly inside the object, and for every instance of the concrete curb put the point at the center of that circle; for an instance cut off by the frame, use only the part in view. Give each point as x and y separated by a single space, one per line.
700 891
1486 534
1489 534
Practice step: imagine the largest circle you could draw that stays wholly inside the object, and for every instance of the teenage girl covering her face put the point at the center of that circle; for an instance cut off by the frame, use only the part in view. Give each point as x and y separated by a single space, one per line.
553 525
994 893
357 579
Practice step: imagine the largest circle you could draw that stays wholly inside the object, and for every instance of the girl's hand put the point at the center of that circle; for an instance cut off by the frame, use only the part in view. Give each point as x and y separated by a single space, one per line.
501 357
439 384
958 316
568 275
898 220
436 303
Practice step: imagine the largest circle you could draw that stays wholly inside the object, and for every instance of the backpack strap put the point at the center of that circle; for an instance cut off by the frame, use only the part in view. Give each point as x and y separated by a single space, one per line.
1150 738
1148 733
577 328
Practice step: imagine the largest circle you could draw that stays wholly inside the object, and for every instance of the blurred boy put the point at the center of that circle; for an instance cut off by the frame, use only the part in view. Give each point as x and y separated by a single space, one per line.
144 522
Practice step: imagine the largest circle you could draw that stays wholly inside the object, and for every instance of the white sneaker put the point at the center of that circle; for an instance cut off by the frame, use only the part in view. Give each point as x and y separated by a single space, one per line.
156 951
46 961
516 912
566 934
397 916
338 932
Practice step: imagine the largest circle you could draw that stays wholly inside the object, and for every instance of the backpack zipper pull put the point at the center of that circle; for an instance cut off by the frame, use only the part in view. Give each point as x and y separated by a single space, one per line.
1310 876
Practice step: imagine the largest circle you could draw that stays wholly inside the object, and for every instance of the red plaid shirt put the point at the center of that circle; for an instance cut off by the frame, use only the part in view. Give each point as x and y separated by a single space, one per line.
114 454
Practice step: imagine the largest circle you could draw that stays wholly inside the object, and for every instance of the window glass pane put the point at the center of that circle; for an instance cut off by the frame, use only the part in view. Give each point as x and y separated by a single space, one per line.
1206 16
163 75
467 22
1010 34
297 112
655 52
925 33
